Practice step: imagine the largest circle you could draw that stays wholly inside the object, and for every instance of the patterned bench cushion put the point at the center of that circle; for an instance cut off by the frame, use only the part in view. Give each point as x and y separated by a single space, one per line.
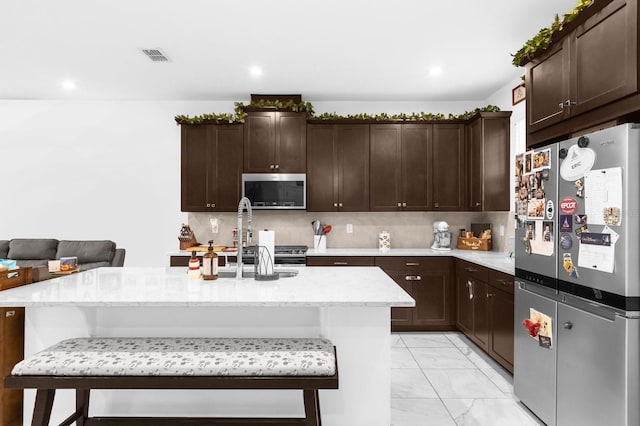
138 356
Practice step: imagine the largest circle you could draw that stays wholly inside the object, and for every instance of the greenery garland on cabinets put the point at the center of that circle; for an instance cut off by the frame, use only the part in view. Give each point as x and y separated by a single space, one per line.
542 40
240 114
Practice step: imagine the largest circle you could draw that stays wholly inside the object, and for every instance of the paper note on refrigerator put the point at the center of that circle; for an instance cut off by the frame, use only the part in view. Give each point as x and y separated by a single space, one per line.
596 252
603 196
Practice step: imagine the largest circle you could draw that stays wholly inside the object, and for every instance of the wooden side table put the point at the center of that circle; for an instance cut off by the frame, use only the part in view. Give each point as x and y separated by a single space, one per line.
11 346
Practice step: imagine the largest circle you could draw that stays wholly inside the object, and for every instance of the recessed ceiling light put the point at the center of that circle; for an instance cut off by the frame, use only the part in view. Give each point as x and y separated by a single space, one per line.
255 71
68 85
435 71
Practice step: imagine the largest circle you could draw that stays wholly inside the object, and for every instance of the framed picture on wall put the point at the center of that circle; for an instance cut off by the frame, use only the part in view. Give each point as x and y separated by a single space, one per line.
518 94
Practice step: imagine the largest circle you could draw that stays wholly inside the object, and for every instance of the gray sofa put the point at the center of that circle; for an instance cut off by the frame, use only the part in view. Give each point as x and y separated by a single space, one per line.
36 252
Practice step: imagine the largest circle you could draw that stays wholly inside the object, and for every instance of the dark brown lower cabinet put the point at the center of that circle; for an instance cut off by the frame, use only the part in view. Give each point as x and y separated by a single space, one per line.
11 347
484 303
340 261
429 281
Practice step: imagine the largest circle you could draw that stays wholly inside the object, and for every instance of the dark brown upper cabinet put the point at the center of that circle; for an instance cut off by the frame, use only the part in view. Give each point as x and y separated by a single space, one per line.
399 166
586 77
275 141
211 167
338 167
447 167
488 177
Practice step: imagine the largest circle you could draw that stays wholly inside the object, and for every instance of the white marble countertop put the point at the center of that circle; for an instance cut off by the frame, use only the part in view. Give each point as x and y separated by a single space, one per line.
490 259
120 287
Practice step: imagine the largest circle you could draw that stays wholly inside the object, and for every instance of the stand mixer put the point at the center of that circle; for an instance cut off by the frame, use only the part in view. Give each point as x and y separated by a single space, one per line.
441 236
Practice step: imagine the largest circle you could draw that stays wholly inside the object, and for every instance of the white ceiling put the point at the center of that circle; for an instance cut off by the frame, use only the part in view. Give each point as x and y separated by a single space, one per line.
360 50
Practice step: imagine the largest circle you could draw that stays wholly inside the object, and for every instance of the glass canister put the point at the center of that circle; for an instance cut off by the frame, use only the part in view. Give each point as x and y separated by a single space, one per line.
384 241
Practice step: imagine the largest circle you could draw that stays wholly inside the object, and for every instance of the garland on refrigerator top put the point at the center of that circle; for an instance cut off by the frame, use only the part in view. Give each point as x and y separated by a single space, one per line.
542 40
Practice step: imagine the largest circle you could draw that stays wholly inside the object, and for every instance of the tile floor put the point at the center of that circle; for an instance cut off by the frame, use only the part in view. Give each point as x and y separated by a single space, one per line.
443 379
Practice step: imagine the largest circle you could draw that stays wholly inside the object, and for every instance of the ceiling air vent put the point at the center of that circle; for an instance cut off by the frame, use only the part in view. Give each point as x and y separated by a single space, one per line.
156 55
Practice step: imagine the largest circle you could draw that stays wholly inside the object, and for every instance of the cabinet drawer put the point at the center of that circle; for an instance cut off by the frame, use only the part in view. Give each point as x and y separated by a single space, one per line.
501 280
413 263
472 270
184 260
340 261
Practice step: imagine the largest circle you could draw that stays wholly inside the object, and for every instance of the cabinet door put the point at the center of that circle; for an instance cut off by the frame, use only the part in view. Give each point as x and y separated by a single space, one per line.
495 171
501 325
414 166
225 171
447 164
352 142
194 163
259 142
290 142
604 57
547 87
475 166
402 316
322 174
12 344
464 302
433 294
385 167
481 314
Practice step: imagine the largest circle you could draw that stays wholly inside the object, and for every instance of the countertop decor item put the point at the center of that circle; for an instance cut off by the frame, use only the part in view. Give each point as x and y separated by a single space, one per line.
187 238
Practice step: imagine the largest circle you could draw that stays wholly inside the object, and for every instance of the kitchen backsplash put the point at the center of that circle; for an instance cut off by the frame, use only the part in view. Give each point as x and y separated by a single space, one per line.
407 229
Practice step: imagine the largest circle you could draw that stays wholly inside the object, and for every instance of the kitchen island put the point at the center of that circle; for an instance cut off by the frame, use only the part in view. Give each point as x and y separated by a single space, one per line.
350 306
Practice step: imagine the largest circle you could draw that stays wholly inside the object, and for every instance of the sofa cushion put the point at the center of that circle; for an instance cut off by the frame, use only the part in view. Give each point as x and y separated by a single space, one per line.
4 249
32 263
32 249
87 251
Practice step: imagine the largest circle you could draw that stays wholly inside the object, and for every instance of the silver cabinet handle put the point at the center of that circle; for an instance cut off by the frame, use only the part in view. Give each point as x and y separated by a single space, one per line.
436 205
470 288
478 204
561 105
277 166
335 204
470 269
503 282
413 278
9 314
271 166
339 204
340 263
404 204
208 205
213 204
399 204
568 325
412 264
489 295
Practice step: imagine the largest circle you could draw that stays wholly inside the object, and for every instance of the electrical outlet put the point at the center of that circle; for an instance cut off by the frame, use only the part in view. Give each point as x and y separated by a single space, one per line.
349 228
502 230
214 224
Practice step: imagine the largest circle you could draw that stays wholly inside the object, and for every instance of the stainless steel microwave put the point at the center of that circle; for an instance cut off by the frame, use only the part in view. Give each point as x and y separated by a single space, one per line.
268 191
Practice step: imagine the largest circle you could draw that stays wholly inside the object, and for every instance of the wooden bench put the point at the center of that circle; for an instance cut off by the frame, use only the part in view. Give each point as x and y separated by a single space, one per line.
177 363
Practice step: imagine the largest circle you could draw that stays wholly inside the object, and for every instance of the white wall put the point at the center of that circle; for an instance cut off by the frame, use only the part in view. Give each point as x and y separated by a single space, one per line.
111 170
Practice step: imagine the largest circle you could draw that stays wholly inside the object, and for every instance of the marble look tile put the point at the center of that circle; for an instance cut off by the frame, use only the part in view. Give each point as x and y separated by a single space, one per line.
440 358
414 412
396 341
431 340
494 412
402 358
410 383
462 383
501 378
459 340
480 358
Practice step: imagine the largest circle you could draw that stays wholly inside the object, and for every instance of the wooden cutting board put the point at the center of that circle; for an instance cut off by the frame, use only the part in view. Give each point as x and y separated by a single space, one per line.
206 248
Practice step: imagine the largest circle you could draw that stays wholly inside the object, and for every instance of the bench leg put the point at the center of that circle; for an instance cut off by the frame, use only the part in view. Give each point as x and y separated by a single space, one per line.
82 405
43 406
311 407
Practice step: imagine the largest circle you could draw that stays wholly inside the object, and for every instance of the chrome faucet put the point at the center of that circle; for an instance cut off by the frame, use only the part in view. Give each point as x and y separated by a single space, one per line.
244 203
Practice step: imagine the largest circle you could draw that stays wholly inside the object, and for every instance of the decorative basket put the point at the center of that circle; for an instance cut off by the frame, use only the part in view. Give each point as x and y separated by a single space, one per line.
473 243
187 238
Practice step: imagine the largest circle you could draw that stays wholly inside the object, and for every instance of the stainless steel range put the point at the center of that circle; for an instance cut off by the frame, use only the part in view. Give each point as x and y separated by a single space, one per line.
285 255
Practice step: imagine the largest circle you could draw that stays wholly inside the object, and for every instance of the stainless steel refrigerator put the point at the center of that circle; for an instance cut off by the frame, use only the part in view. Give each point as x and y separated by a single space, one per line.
577 296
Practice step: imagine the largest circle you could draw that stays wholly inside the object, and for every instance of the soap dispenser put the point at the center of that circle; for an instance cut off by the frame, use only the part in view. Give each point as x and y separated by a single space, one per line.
210 264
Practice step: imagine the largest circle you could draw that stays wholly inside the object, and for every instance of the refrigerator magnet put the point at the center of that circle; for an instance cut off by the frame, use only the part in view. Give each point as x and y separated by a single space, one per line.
580 219
568 265
577 162
566 223
580 230
579 188
550 209
566 241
